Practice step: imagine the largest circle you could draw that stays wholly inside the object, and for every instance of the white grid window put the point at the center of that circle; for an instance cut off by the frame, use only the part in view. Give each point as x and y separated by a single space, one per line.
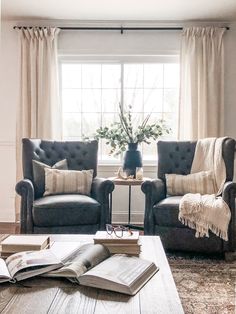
91 93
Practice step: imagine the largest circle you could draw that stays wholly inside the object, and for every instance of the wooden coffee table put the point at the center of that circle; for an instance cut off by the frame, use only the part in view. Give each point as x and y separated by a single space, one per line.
46 295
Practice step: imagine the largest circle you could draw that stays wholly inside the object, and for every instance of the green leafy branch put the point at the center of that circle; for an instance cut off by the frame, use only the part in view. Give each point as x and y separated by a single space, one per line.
119 134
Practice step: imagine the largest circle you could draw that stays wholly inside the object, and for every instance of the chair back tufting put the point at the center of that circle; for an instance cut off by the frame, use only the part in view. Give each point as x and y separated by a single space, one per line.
177 157
80 155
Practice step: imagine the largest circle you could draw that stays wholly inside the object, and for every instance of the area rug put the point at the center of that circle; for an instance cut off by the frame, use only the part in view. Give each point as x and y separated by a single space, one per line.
205 285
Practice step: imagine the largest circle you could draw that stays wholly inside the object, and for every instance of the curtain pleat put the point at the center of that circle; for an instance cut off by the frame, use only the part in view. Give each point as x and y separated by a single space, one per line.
201 110
39 112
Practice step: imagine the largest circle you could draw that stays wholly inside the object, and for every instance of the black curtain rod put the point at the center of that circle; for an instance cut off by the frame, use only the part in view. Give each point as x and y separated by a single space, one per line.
120 28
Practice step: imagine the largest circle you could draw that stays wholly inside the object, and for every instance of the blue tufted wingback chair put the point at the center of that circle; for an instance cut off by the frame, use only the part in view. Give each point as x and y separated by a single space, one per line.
161 210
68 213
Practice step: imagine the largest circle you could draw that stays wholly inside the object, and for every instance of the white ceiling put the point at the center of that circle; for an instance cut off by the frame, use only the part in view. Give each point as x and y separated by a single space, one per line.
163 10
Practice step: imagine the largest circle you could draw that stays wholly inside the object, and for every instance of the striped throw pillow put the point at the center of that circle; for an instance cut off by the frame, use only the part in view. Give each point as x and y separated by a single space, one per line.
68 181
201 182
39 174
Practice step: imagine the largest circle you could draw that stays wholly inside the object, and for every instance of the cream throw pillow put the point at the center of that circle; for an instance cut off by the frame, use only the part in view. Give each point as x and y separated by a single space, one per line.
39 174
67 181
201 182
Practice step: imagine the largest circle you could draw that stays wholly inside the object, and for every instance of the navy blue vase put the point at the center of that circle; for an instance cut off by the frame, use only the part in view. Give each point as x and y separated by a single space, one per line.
132 159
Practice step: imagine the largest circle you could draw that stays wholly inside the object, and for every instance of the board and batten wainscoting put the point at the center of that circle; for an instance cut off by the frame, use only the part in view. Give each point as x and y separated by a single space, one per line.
7 181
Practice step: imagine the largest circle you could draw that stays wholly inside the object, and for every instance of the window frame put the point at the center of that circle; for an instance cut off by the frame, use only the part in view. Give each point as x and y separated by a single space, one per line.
113 59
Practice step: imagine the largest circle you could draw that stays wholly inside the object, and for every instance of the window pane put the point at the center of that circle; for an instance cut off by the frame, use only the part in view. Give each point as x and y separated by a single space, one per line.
111 75
106 152
109 118
71 100
171 75
91 94
110 100
153 75
133 75
171 97
172 122
91 100
137 120
150 151
71 75
155 117
133 97
153 100
71 124
91 75
90 123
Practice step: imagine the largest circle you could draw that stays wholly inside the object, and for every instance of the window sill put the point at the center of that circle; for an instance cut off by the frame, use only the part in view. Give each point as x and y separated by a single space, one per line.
112 168
119 165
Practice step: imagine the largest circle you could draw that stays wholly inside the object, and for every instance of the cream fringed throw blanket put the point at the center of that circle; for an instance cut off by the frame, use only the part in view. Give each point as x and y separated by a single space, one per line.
207 212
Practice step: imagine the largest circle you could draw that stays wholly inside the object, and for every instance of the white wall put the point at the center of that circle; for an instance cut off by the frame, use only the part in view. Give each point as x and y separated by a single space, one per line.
112 42
163 42
9 95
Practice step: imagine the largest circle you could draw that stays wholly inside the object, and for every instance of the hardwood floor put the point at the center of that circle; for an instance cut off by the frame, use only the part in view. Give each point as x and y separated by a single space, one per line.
9 227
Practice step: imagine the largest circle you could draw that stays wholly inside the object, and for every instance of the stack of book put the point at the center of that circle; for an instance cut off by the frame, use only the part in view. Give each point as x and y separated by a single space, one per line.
19 243
128 244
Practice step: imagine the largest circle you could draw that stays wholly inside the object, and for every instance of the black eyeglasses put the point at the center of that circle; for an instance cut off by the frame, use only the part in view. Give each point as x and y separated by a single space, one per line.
118 230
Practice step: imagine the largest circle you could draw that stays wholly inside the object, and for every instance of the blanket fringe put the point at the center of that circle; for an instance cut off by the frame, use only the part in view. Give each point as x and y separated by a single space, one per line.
202 228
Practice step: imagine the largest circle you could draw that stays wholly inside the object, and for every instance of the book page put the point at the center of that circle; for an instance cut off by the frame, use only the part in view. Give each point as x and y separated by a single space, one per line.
64 251
88 256
121 269
4 273
24 261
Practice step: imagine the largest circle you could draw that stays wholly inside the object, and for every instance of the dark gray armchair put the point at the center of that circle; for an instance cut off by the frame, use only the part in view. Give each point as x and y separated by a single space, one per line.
66 213
161 210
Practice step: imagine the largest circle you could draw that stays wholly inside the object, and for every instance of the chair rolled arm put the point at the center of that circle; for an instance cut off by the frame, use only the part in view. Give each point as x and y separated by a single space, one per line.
25 189
101 190
101 187
154 191
228 195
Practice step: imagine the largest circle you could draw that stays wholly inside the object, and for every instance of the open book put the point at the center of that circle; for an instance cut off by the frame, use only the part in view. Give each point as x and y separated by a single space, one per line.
93 266
24 265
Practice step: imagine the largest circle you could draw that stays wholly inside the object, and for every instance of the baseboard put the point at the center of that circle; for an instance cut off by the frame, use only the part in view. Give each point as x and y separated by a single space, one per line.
9 228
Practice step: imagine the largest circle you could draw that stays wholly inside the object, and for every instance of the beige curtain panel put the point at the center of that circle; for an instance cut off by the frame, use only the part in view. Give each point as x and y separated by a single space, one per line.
201 110
39 114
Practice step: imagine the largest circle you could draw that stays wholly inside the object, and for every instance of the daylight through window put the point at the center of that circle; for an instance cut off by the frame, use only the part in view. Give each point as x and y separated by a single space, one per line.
91 93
